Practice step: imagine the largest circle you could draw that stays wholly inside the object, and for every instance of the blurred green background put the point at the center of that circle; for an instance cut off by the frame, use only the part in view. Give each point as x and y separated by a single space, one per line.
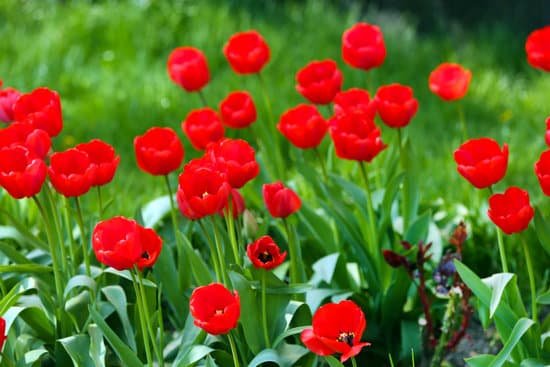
107 60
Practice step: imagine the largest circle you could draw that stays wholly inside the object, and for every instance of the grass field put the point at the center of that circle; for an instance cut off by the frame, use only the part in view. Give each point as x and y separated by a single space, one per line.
107 60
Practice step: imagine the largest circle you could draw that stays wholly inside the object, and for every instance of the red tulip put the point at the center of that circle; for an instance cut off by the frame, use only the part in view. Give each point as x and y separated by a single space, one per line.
23 133
237 204
203 189
547 135
538 48
188 68
354 99
122 243
8 97
238 110
3 336
159 151
280 200
71 172
356 136
103 158
542 170
215 309
41 108
247 52
396 104
481 161
511 211
264 253
22 174
336 328
202 127
319 81
303 126
450 81
363 46
237 158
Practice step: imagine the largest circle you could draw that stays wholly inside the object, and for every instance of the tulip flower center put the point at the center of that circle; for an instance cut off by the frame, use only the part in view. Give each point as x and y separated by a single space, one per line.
219 312
346 338
205 194
145 255
265 257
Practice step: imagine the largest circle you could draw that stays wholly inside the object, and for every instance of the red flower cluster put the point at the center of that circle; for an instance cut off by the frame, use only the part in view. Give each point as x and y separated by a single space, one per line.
8 97
265 254
336 328
215 308
122 244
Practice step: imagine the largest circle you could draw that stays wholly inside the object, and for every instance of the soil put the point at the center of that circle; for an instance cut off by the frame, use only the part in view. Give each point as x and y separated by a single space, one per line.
477 341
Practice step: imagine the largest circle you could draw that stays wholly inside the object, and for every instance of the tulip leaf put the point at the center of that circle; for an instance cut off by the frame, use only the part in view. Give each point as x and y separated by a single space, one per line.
126 355
155 210
266 355
78 348
531 362
20 233
97 346
544 298
498 283
543 230
419 229
518 331
333 362
289 332
13 254
482 360
79 281
116 296
193 355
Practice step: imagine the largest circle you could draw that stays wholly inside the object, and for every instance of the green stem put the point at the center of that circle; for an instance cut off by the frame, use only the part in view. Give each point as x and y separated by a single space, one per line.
213 252
72 246
462 121
264 311
233 350
144 329
83 238
173 213
370 209
230 222
57 226
100 201
353 362
321 163
296 273
221 254
329 110
500 241
147 317
203 98
530 272
405 194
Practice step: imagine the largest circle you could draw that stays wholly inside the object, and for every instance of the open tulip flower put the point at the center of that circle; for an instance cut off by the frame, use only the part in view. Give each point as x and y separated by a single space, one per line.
41 108
356 136
482 161
159 151
71 172
511 211
303 126
237 158
202 127
215 308
354 99
8 97
264 253
103 160
396 105
238 110
336 328
188 68
363 46
247 52
542 170
22 173
319 81
537 48
23 133
450 81
280 200
235 203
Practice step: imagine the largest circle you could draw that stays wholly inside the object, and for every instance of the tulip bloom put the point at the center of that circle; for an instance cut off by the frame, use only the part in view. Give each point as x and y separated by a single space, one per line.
8 97
203 189
41 108
481 161
103 159
122 243
356 136
71 172
511 211
363 46
264 253
215 308
542 170
22 174
547 135
237 158
396 105
280 200
247 52
537 47
202 127
23 133
188 68
3 336
303 126
237 204
319 81
354 99
238 110
450 81
159 151
336 328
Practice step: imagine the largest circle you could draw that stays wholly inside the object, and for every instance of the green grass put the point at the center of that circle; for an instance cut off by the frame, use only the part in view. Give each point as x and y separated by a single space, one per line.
107 60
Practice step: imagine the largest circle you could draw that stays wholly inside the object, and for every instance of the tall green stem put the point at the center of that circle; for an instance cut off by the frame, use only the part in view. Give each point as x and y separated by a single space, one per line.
100 201
532 285
213 252
59 235
321 163
203 98
72 242
221 254
230 223
144 330
297 274
147 317
264 310
353 362
233 350
370 208
462 121
405 193
83 237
